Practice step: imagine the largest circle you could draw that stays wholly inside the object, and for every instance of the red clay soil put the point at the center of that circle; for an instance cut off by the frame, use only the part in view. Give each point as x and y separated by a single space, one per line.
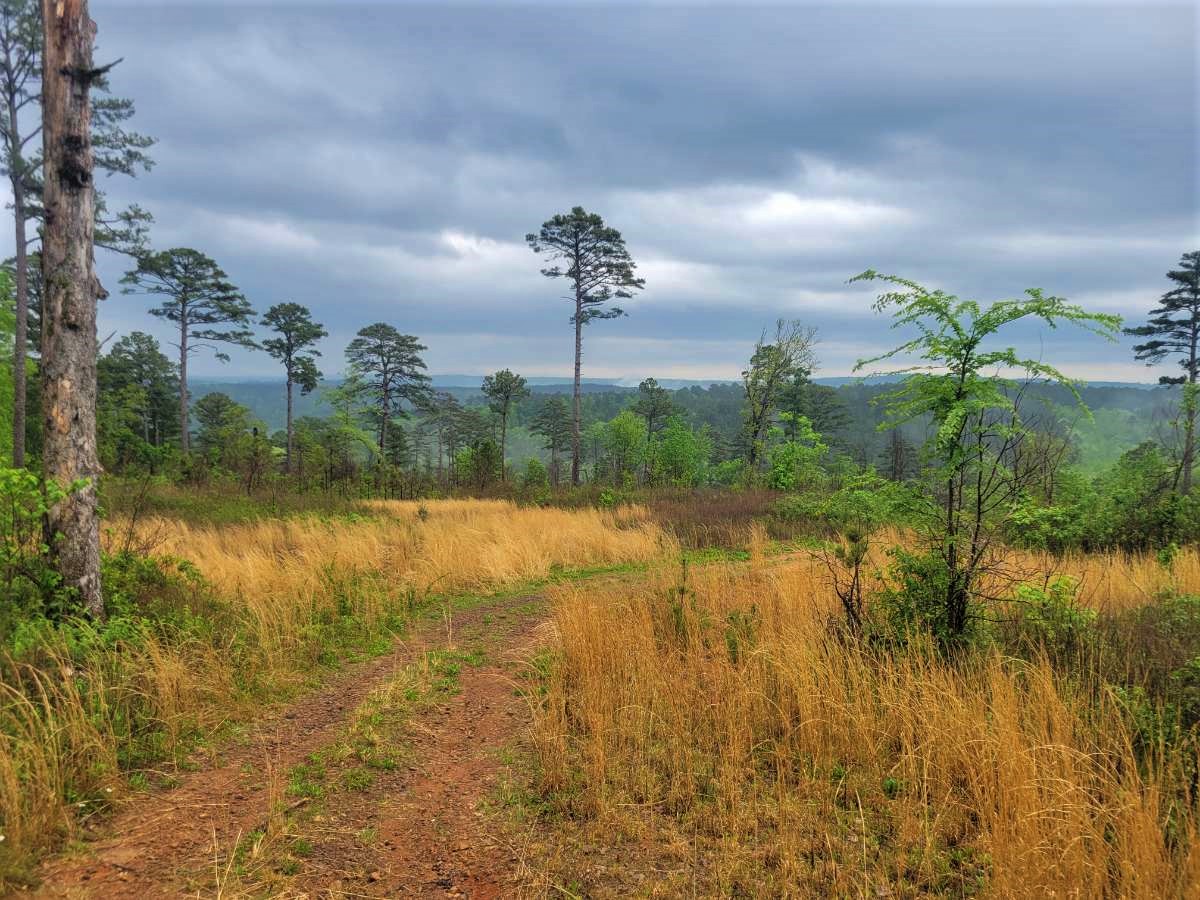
430 836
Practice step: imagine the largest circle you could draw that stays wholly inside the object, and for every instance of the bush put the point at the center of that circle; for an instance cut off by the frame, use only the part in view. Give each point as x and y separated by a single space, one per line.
536 477
916 599
30 585
1051 616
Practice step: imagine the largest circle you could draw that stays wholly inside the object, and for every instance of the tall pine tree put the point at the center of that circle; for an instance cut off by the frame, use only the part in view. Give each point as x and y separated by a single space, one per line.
390 365
1174 330
295 348
504 390
115 149
593 258
200 300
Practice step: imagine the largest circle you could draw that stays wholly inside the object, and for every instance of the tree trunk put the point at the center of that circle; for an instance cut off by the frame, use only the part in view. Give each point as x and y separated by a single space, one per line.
70 293
1188 464
21 337
578 410
287 459
503 442
185 439
383 423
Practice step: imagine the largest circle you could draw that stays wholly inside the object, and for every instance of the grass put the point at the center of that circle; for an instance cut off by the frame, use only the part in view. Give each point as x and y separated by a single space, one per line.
243 614
718 729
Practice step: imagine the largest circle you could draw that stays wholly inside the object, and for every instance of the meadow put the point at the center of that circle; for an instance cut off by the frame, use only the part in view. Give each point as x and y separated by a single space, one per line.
704 724
717 732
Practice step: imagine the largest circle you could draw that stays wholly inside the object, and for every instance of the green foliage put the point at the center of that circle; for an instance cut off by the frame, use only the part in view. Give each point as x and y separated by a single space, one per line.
796 464
536 477
862 500
480 464
774 363
138 404
624 447
916 599
8 323
1050 613
680 454
730 473
197 296
653 404
977 420
30 584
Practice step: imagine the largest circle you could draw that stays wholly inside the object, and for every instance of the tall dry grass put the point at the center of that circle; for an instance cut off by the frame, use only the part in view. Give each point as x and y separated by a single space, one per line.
721 721
79 705
1107 582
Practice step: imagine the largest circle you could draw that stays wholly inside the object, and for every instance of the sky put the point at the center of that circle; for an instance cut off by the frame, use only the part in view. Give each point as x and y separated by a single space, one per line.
383 162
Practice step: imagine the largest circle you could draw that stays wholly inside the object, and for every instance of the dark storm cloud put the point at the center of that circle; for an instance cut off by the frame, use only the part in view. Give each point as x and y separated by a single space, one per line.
384 161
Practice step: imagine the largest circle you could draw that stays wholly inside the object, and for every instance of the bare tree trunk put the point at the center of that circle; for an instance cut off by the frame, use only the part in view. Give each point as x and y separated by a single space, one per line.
1188 463
578 411
21 258
288 456
21 337
185 439
503 443
69 296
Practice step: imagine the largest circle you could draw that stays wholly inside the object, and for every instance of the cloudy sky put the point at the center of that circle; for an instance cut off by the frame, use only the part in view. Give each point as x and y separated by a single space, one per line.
383 162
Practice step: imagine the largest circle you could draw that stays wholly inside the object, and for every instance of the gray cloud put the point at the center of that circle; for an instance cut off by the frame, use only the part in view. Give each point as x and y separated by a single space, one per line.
383 161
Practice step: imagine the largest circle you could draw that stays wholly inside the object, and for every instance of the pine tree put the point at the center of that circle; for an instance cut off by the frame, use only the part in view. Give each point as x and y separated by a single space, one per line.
594 259
504 390
653 404
1174 330
390 365
69 454
553 423
136 362
294 347
202 303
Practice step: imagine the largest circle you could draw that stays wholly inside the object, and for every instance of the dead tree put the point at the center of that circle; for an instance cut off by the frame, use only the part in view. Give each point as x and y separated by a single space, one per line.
70 292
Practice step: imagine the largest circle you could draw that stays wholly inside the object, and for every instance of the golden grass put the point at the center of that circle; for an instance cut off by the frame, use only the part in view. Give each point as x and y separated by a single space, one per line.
284 587
726 726
1107 582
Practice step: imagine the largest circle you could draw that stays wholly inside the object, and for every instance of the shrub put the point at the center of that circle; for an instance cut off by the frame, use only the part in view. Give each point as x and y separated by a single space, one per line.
915 599
1050 614
536 477
29 583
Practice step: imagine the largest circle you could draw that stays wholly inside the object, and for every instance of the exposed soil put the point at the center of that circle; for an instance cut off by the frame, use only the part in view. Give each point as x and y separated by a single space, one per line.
429 834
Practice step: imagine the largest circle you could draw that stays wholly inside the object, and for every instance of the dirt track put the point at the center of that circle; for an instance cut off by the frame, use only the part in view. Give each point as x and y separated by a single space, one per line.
430 836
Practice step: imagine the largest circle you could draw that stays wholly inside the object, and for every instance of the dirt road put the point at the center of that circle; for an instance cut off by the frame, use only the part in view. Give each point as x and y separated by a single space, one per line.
249 825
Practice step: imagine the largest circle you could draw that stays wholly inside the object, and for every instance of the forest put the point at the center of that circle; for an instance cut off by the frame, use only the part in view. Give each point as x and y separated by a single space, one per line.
931 628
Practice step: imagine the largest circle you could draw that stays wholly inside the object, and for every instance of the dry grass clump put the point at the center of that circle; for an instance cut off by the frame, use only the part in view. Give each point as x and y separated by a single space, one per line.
1112 582
721 720
1107 582
286 573
719 517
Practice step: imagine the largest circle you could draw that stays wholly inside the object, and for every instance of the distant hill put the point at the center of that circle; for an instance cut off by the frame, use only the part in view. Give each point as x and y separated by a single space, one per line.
264 397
